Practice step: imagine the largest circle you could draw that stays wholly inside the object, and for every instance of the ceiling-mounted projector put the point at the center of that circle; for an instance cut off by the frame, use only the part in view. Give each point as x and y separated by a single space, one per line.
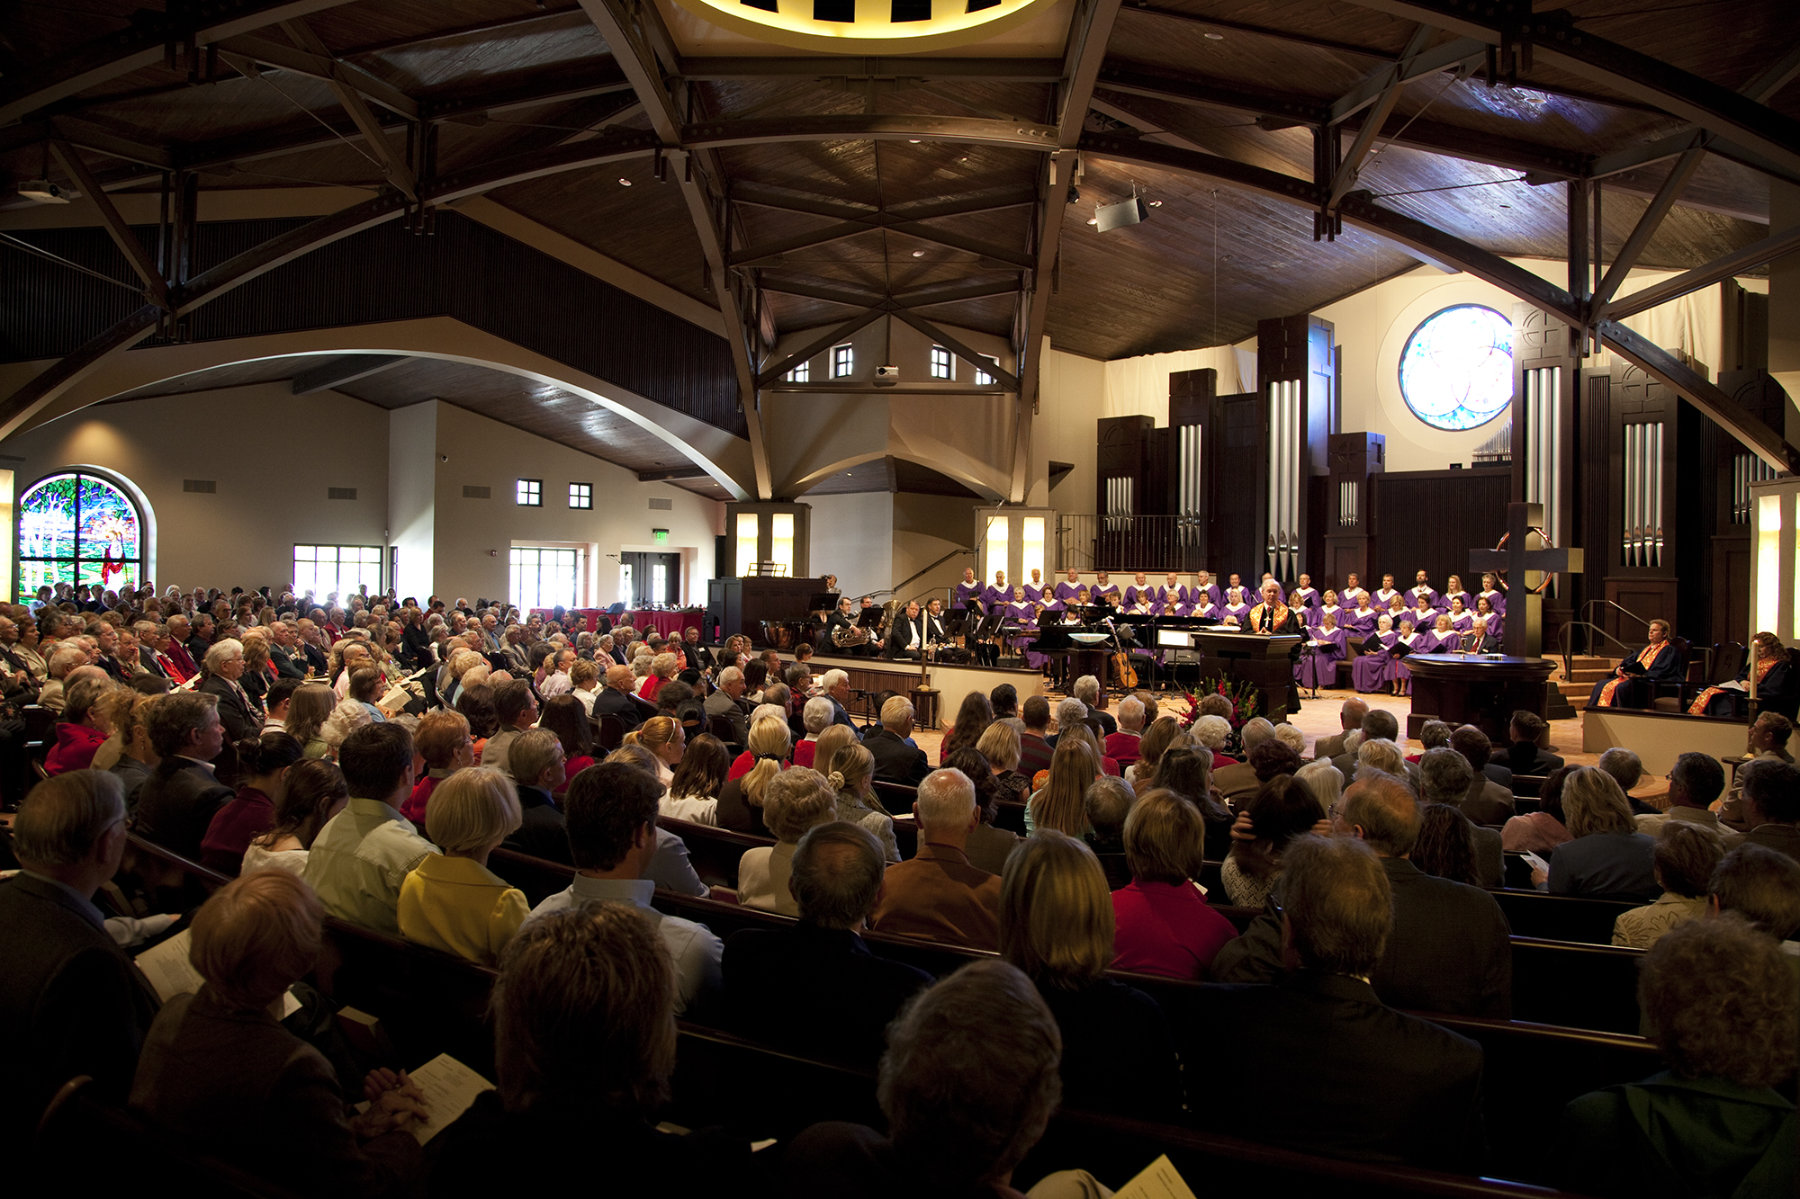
887 376
43 191
1117 216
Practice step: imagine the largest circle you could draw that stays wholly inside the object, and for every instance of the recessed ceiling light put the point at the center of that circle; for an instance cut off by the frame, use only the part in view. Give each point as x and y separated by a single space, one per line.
918 253
1093 220
913 141
1215 37
624 182
1154 203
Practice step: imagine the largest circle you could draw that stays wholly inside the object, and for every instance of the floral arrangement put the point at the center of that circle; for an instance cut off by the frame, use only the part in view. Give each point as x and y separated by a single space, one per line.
1243 694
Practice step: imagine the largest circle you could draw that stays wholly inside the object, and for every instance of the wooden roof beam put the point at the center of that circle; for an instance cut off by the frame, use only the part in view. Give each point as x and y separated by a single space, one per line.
720 68
156 288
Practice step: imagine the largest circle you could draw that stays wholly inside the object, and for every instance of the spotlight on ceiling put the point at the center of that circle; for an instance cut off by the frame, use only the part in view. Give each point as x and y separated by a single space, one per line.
1118 216
43 191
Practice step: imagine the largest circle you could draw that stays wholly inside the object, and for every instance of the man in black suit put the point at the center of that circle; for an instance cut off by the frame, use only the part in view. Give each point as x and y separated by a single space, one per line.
698 656
896 760
1349 1076
910 634
201 638
178 800
616 699
240 714
1450 950
71 1002
1526 756
836 880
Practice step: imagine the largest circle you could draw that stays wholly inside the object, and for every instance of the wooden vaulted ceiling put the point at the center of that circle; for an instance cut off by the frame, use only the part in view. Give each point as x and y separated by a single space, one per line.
794 190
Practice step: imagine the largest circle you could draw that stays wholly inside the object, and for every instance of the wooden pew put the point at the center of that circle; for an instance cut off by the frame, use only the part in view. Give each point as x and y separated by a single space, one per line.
714 852
429 1002
1576 985
1560 917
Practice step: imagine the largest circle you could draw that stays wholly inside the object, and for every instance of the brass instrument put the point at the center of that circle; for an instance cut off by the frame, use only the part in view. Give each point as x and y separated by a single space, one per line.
849 636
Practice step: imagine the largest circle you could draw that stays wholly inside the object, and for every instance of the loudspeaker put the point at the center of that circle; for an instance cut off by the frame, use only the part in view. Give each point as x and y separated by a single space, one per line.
1117 216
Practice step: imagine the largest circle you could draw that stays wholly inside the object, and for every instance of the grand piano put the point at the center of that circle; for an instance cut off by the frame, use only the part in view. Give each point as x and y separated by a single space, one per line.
1265 662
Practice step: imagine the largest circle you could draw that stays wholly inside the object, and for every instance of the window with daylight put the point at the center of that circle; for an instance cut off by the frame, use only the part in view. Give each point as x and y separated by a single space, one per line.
78 527
801 373
581 495
1456 370
544 576
982 378
322 570
531 493
843 361
940 363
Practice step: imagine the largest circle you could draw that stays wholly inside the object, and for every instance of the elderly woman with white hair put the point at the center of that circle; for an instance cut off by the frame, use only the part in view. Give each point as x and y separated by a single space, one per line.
814 717
793 804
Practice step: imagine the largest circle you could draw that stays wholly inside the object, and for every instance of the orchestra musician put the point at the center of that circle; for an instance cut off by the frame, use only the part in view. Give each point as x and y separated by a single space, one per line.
841 630
911 635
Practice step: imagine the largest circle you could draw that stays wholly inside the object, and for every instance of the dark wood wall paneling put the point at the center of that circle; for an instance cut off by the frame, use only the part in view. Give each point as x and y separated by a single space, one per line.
465 270
1234 444
1430 519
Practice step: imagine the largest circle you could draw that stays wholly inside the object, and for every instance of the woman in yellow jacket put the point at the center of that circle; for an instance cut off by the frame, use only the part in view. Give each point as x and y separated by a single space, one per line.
454 902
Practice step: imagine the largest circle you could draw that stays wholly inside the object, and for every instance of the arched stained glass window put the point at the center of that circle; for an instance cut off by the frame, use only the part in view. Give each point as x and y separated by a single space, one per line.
1456 370
79 527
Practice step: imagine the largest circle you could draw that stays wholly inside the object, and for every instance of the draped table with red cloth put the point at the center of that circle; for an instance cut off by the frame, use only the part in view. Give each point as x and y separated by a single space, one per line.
669 624
587 618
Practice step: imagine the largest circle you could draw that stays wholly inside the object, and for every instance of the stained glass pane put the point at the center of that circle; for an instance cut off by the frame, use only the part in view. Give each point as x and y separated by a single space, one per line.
33 575
109 522
47 519
1456 370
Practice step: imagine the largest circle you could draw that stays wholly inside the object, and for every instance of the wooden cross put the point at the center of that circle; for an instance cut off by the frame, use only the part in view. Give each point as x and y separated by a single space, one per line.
1524 562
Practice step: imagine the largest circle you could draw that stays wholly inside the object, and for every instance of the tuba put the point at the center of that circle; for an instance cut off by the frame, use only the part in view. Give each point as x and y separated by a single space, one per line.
849 636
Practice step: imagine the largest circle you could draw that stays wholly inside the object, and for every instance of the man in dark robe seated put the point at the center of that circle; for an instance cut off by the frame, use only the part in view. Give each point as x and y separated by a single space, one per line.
1349 1076
1775 684
836 881
1633 684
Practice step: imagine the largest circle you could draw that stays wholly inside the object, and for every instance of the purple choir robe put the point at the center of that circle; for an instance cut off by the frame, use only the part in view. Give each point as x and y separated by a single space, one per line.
1370 671
1133 593
1467 599
1310 598
1463 623
1422 621
1201 596
1241 611
1109 593
1337 612
1496 600
1357 622
1441 643
1347 597
964 593
1317 665
1432 598
1034 594
1382 598
1066 591
1396 666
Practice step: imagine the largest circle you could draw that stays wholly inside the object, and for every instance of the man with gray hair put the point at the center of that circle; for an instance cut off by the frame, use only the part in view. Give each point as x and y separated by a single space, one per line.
836 687
1378 724
1451 948
1122 746
938 894
897 759
836 881
1445 777
70 1000
1352 1077
727 701
1239 778
177 802
1087 690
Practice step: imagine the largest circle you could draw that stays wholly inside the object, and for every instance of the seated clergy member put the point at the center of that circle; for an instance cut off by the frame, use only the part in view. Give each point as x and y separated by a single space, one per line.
1633 683
896 760
1450 949
611 813
219 1073
70 1000
1350 1076
836 880
177 802
938 894
361 856
968 1084
584 1045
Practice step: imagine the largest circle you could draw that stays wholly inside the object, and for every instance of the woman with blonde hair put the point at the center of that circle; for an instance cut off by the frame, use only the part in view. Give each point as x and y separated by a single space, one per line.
793 805
1607 858
741 800
452 901
1056 925
694 791
1001 747
664 737
1061 803
851 775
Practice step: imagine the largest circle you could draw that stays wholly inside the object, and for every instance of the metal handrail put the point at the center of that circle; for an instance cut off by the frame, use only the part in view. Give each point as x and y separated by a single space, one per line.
1587 610
897 587
1562 640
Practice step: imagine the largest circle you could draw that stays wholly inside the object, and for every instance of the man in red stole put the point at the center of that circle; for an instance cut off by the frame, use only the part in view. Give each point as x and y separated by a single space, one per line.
1272 616
1631 687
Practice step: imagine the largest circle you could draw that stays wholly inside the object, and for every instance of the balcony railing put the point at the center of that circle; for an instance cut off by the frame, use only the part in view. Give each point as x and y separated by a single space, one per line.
1088 541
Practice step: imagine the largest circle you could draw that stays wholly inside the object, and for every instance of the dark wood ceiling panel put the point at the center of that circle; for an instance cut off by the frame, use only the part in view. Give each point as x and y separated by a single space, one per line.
842 169
458 62
238 374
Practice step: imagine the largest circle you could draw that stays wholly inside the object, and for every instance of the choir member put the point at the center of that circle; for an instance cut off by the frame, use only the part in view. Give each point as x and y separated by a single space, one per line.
1397 607
1461 619
1138 591
1453 589
1492 594
1205 592
1360 621
1423 613
1309 595
1171 594
1104 592
1444 638
1632 688
1384 594
1330 607
1034 590
967 591
1325 645
1422 587
1236 606
1397 672
1774 684
999 593
1065 590
1352 589
1369 672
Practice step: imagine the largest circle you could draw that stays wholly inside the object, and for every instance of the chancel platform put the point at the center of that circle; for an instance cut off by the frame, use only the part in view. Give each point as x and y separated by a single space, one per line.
1479 689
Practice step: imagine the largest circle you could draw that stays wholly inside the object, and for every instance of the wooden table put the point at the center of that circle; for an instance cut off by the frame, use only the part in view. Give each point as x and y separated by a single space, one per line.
1479 689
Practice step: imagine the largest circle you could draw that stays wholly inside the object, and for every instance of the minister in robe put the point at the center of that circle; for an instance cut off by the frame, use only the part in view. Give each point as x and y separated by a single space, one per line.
1272 616
1775 690
1635 688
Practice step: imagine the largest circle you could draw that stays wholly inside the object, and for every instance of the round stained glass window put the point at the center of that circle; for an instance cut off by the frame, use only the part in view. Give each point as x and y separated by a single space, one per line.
1456 370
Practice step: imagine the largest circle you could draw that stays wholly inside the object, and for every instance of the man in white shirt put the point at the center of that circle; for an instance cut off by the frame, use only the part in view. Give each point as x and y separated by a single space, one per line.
611 814
361 855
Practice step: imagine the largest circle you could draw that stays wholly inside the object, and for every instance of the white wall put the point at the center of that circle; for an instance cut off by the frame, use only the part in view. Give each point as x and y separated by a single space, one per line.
1069 398
273 457
853 538
473 535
